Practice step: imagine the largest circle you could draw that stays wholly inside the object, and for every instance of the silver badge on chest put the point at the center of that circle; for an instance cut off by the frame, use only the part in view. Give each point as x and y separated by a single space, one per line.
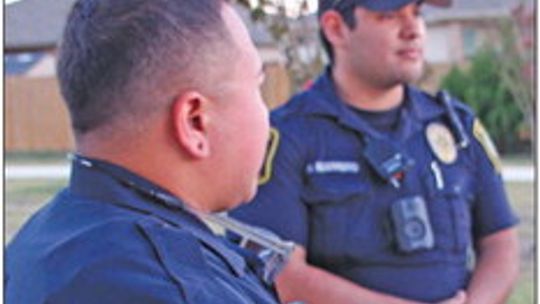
442 143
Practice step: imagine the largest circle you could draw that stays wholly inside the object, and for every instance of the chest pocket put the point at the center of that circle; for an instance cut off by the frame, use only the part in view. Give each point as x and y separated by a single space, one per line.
450 204
337 206
336 188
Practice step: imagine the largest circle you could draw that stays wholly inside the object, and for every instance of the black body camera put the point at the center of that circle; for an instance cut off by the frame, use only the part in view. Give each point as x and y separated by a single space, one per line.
412 227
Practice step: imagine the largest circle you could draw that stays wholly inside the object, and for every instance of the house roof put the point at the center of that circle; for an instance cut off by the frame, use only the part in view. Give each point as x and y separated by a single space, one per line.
474 9
38 24
35 24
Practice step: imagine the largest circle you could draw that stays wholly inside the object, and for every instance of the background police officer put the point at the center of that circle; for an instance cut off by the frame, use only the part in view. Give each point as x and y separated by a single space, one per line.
156 112
387 190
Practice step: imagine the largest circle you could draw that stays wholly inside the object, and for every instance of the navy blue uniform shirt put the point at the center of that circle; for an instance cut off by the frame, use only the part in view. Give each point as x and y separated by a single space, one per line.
99 241
322 193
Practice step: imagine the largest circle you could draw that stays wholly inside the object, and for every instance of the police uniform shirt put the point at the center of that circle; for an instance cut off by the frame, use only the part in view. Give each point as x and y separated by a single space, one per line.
99 241
319 191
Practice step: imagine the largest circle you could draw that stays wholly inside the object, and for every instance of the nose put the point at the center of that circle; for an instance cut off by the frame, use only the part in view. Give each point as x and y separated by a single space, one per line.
412 27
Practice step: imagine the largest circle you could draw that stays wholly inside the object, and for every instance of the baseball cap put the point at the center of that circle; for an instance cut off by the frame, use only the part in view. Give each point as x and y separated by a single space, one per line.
376 5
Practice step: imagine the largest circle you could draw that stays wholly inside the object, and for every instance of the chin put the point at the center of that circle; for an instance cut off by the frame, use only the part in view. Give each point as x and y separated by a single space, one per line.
244 198
411 75
241 194
250 196
250 192
228 206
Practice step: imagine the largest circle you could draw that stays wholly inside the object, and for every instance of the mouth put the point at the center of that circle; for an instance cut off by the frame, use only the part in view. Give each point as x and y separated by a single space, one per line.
410 53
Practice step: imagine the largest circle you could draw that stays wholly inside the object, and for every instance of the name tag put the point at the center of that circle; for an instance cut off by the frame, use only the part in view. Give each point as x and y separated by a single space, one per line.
333 166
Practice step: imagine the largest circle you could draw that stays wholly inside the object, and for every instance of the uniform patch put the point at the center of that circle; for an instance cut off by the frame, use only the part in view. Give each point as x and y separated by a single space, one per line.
489 147
271 148
441 142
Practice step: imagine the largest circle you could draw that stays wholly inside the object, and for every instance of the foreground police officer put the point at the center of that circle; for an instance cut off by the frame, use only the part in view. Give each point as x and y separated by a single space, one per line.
389 190
164 122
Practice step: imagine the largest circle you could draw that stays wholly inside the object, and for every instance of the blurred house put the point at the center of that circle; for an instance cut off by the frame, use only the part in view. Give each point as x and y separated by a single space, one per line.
36 119
455 34
276 88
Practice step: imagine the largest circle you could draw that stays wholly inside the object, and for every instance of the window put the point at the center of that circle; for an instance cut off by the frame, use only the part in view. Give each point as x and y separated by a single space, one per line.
469 39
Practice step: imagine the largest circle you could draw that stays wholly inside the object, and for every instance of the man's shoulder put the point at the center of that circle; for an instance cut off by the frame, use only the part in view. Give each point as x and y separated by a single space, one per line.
72 227
301 115
121 266
461 107
94 230
118 250
434 101
303 104
296 106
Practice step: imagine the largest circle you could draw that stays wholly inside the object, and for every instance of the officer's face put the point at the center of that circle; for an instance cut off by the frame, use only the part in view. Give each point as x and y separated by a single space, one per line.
386 48
241 128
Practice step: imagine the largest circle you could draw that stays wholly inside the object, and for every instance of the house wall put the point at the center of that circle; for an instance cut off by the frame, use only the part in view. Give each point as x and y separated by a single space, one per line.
453 42
441 44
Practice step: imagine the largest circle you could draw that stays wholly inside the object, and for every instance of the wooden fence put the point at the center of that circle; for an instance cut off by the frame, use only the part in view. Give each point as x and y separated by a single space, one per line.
37 120
35 117
276 89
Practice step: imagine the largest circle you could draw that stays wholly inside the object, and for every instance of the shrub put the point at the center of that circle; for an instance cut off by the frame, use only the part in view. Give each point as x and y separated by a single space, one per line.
482 87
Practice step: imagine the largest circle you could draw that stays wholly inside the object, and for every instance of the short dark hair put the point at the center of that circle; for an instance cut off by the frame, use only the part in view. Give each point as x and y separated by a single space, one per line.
346 10
116 56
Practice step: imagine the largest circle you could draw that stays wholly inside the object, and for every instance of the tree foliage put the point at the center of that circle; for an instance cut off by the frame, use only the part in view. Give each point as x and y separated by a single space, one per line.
482 87
296 36
515 62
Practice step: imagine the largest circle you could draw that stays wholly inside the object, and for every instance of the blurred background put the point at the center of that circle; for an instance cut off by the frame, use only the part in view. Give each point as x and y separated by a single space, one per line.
482 51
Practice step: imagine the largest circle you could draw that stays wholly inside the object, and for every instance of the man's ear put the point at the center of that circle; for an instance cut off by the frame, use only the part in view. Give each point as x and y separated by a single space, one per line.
190 123
333 27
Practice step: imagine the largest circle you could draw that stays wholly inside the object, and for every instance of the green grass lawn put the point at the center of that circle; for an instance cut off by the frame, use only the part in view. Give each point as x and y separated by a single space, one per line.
43 158
522 197
25 197
525 159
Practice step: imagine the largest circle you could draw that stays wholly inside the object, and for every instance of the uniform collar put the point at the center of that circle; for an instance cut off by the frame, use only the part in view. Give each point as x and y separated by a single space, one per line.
324 101
424 106
105 186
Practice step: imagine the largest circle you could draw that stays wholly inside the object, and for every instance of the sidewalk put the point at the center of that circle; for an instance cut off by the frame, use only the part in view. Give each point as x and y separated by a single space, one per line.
18 172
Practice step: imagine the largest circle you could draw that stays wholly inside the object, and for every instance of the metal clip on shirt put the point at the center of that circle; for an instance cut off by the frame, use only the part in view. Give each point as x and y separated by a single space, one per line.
270 249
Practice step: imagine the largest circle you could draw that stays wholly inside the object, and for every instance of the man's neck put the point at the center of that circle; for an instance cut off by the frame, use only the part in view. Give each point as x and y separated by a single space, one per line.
143 160
366 96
